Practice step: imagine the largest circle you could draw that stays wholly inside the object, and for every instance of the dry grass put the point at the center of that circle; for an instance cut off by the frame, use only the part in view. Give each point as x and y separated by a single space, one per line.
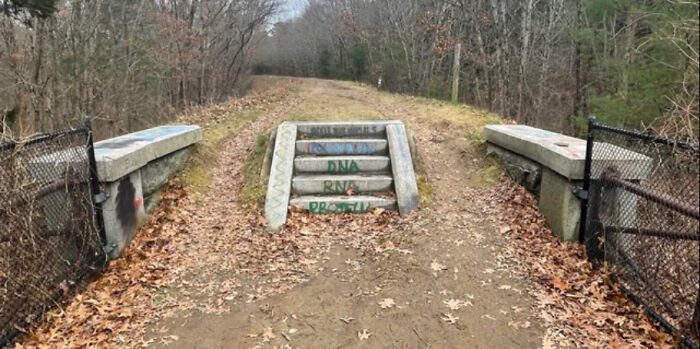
198 175
325 107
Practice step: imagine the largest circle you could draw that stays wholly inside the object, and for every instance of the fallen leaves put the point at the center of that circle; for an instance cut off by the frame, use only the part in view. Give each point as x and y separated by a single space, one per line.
560 284
435 266
449 318
456 304
578 304
387 303
364 334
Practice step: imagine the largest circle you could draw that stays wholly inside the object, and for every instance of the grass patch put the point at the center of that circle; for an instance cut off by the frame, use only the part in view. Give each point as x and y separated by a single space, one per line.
198 175
425 191
254 189
487 175
333 108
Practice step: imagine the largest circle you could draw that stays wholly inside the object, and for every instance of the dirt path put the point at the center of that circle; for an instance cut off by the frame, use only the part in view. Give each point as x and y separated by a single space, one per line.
429 280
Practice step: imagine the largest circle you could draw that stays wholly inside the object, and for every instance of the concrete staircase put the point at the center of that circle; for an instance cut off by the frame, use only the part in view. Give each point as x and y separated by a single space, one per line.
340 167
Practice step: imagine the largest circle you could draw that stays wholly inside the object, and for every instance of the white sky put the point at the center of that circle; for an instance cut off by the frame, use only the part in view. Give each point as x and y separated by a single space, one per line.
290 9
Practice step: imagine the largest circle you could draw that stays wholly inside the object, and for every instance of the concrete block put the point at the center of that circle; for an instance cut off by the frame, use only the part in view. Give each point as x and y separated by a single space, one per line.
119 156
559 205
338 146
280 184
341 204
522 170
364 129
123 211
402 167
150 201
566 155
342 164
340 184
157 172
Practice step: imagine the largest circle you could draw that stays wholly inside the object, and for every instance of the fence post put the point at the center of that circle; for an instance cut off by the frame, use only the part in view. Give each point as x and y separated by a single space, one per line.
586 179
455 73
97 195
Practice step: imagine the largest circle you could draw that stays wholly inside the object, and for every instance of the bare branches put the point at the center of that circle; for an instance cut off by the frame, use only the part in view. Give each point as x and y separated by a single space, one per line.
129 64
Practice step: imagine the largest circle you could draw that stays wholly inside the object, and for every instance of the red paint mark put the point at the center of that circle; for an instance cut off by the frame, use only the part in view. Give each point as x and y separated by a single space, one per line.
138 203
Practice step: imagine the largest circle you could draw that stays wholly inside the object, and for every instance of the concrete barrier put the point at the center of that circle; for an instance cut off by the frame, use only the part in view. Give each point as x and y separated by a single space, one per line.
132 170
552 166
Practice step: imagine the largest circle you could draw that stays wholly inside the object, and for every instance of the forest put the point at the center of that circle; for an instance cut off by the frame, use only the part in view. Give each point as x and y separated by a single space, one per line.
547 63
133 64
129 64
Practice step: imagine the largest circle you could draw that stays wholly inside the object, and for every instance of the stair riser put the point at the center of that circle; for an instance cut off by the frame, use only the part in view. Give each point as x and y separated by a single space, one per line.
340 165
340 186
327 206
326 148
357 129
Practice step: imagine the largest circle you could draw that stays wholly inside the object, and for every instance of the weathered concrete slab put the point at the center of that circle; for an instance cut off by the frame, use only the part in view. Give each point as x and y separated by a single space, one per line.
342 164
559 205
123 211
402 167
365 129
340 184
119 156
280 184
342 204
522 170
339 146
157 172
563 154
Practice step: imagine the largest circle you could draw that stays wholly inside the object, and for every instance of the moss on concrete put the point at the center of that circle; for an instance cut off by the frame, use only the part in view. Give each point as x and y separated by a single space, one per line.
487 175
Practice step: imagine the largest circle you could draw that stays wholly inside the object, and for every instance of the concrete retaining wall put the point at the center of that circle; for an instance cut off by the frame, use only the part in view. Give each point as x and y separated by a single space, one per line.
133 169
551 165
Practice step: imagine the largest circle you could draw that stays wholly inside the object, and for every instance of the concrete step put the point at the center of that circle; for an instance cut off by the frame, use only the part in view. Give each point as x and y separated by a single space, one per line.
342 129
341 204
338 146
342 164
340 184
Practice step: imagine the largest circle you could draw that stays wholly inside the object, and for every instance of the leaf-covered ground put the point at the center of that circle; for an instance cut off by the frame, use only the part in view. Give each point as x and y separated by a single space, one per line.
475 267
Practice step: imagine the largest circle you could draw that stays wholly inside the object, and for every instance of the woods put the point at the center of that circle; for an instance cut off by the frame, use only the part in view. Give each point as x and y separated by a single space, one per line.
127 64
547 63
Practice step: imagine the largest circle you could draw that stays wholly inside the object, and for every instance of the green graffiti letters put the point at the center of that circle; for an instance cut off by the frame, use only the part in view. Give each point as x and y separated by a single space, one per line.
343 166
338 187
321 207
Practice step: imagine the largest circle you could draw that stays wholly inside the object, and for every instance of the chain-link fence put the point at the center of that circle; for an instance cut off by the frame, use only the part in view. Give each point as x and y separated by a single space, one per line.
642 219
49 236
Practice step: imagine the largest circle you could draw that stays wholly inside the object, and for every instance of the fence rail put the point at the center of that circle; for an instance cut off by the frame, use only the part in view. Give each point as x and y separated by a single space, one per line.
643 221
50 236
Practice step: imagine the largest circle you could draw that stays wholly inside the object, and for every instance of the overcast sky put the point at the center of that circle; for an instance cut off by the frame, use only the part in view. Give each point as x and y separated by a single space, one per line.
290 9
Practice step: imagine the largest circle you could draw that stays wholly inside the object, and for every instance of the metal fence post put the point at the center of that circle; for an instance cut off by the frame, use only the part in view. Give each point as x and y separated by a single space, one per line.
586 180
97 195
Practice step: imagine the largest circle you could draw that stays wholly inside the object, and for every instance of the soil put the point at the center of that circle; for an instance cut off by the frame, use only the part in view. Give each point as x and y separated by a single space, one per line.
387 289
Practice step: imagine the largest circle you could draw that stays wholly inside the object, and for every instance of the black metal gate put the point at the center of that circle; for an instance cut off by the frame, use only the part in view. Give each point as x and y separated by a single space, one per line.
641 217
50 236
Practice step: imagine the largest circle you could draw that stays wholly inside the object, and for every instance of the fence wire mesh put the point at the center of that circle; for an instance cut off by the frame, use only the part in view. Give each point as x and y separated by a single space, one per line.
643 212
48 234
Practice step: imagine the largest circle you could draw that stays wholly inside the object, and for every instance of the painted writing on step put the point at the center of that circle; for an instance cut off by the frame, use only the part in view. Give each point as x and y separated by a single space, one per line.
343 166
338 187
322 207
341 148
345 131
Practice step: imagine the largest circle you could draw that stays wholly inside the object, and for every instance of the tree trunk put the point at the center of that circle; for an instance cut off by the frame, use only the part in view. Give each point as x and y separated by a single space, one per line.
526 26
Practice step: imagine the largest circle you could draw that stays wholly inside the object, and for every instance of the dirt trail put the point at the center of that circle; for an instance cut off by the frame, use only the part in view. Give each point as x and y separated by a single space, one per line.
435 281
